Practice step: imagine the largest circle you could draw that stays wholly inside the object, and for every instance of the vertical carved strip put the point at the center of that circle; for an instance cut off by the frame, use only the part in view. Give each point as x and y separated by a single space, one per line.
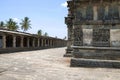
95 12
4 41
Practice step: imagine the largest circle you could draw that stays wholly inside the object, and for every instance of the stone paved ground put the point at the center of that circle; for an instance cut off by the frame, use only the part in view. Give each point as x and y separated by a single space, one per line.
48 64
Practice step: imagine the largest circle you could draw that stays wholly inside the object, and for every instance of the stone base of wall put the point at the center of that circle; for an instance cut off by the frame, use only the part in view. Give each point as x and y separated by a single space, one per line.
103 53
77 62
68 53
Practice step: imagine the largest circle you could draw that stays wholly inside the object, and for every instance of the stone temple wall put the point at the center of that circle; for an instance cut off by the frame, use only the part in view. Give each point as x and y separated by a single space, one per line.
94 22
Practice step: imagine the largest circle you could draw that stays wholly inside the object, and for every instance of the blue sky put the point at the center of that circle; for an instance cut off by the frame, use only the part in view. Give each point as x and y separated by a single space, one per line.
47 15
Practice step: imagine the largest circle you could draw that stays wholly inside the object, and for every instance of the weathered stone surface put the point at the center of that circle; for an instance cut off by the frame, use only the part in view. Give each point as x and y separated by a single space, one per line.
106 53
100 16
77 62
68 52
68 55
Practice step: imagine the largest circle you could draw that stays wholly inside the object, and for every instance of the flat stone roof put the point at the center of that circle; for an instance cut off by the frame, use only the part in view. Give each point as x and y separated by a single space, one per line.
4 30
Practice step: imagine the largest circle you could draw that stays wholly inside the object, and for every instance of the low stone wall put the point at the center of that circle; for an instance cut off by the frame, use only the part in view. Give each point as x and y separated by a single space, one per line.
11 50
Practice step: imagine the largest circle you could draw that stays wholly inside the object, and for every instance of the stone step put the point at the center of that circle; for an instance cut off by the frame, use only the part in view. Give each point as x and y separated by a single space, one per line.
68 55
80 62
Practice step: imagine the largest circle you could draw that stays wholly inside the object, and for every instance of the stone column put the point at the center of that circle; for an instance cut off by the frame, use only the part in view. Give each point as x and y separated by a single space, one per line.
69 37
55 43
45 42
28 42
14 41
33 43
4 41
21 44
42 43
48 43
38 42
95 12
51 43
59 43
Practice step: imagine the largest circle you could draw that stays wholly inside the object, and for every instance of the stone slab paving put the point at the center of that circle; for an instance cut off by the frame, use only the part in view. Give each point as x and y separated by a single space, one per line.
49 64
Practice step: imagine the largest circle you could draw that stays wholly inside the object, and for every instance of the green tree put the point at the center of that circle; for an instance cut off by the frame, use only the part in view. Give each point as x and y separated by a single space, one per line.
25 24
55 36
46 34
2 25
40 32
64 38
12 25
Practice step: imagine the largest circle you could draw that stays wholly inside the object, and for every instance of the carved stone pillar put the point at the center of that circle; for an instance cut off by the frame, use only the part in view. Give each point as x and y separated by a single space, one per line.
45 42
42 42
33 43
51 43
95 12
4 41
38 42
14 41
69 37
28 42
21 44
55 43
69 42
48 43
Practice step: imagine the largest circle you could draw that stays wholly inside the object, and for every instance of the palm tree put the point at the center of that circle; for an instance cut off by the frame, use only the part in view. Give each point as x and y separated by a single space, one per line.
65 38
46 34
2 25
12 25
25 24
40 32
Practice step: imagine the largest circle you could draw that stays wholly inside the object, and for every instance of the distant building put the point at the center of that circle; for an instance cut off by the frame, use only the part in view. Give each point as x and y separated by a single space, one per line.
15 41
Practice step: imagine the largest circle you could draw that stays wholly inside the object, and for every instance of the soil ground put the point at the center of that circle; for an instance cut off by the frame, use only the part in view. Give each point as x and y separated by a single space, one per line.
49 64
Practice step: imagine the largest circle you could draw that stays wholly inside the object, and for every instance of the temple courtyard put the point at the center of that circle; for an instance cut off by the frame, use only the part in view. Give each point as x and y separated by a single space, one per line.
49 64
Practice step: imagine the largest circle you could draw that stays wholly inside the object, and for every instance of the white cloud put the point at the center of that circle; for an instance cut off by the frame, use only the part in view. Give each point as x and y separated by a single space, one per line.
16 19
64 4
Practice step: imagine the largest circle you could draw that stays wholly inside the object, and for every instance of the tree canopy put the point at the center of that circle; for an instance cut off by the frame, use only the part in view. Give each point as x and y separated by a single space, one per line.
40 32
12 25
46 34
2 25
25 24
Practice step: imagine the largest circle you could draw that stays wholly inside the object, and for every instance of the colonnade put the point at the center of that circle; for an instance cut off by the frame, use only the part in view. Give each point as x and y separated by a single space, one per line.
27 41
